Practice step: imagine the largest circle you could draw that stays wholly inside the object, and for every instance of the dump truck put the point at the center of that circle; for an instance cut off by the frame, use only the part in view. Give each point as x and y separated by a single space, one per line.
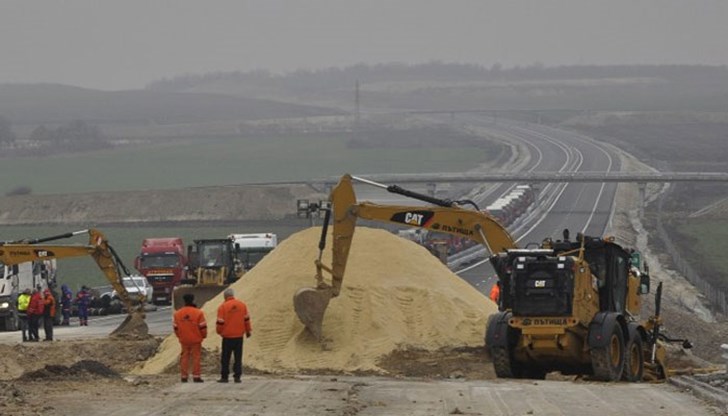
570 306
34 250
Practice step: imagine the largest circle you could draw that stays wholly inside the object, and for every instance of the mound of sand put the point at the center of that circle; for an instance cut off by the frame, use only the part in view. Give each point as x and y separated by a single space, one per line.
395 295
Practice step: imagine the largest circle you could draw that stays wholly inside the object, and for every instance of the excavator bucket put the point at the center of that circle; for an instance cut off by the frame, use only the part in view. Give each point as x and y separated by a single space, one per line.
202 294
134 326
310 305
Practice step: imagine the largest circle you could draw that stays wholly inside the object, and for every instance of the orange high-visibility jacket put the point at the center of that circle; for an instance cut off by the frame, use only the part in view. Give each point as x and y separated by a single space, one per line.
495 293
50 303
233 320
190 325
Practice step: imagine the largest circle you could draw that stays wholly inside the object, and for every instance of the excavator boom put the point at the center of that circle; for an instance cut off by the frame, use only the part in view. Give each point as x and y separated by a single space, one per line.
98 248
446 216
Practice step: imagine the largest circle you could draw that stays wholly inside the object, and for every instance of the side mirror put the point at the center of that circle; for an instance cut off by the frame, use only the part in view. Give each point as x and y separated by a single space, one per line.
644 284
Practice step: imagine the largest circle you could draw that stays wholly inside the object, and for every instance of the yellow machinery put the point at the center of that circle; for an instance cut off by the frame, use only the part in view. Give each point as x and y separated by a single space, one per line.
448 217
16 252
213 266
569 306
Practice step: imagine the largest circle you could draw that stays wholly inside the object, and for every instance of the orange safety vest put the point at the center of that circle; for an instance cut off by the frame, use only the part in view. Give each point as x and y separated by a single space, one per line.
495 293
190 325
233 320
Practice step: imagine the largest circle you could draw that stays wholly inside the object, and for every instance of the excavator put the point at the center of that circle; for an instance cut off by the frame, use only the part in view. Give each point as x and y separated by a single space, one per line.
569 306
21 251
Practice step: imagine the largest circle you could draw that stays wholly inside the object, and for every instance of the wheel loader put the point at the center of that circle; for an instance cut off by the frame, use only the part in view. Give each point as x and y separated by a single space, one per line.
213 266
571 306
22 251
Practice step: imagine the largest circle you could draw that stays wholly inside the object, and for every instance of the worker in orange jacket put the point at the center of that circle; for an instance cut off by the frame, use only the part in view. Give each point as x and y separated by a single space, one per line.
49 314
232 322
495 292
191 328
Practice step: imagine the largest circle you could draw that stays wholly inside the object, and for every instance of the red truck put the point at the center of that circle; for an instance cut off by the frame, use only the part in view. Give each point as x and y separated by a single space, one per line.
164 263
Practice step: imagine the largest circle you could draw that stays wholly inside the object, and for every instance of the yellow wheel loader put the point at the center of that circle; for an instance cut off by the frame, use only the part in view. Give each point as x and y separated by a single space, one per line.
213 265
21 251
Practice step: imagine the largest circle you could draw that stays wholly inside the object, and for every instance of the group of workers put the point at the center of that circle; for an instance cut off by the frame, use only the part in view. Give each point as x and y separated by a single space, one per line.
233 322
38 307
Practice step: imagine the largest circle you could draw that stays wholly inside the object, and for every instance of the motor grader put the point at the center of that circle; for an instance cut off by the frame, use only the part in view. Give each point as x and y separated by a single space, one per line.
22 251
566 306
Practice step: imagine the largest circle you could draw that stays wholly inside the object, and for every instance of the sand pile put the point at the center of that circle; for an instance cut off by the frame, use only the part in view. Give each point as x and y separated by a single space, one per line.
395 295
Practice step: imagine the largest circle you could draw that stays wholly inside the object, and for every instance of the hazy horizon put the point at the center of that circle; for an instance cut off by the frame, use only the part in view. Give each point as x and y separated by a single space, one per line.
126 45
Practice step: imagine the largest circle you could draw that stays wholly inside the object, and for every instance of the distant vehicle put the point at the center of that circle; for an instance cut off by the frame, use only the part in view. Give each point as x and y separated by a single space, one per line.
163 262
137 287
251 248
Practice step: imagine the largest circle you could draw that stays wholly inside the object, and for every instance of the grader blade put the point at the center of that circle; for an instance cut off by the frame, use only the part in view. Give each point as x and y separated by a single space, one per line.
310 305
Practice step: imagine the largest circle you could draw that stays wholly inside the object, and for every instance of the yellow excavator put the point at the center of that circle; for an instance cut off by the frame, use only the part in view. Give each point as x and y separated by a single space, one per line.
569 306
447 216
21 251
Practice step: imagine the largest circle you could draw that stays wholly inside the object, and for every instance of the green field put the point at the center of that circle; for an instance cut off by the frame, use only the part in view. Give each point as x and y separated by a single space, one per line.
127 242
703 239
223 161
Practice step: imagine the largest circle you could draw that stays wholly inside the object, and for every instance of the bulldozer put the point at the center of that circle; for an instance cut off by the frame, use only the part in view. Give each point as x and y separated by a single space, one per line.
571 306
21 251
213 264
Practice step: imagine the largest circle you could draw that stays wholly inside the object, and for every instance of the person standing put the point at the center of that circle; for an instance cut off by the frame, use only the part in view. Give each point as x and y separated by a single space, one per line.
22 308
49 314
232 322
83 298
66 300
35 313
191 328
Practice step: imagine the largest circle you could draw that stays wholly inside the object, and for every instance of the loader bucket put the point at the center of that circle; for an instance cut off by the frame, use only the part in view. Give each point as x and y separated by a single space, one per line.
202 294
310 305
134 326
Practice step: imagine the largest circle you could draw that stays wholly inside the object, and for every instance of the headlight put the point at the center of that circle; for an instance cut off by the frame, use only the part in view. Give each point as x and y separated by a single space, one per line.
4 305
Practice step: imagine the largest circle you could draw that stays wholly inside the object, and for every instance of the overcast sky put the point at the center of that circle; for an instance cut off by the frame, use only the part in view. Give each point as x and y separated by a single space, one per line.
125 44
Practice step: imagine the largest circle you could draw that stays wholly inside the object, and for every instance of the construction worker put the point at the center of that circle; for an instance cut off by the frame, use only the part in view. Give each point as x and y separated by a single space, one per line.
232 322
22 308
35 310
49 314
495 292
83 298
191 328
66 300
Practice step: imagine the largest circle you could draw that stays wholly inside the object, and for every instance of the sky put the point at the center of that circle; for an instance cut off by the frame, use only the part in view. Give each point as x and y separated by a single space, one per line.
125 44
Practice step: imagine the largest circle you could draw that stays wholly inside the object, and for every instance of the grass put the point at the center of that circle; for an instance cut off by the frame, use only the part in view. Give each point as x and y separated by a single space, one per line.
704 238
222 161
127 242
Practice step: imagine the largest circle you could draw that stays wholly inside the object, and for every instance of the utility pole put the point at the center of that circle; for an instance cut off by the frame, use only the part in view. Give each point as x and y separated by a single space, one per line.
356 104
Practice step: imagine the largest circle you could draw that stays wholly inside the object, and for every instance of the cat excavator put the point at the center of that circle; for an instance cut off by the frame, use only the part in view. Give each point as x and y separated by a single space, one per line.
569 306
21 251
446 216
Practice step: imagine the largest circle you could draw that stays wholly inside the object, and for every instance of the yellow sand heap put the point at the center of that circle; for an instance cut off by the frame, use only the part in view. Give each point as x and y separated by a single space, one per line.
395 294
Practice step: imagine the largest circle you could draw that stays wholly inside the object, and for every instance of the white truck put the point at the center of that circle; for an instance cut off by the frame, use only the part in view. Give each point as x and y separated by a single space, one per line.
14 280
251 248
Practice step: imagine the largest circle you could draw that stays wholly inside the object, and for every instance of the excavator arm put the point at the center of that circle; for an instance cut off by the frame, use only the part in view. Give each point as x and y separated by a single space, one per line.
22 251
446 216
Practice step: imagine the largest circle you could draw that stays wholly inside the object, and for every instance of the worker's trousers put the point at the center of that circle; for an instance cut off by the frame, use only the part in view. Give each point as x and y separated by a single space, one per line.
190 352
234 347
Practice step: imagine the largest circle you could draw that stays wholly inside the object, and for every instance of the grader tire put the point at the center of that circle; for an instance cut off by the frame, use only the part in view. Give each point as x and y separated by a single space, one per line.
608 362
634 360
503 363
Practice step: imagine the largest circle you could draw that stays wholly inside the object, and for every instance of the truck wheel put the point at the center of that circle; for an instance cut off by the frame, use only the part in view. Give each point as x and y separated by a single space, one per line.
608 361
634 360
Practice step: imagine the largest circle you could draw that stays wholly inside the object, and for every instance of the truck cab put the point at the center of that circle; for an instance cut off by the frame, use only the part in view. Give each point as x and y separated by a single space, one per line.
251 248
163 262
14 279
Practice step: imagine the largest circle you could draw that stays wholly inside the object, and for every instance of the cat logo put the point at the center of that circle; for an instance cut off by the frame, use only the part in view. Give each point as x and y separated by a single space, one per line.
539 283
43 253
413 218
